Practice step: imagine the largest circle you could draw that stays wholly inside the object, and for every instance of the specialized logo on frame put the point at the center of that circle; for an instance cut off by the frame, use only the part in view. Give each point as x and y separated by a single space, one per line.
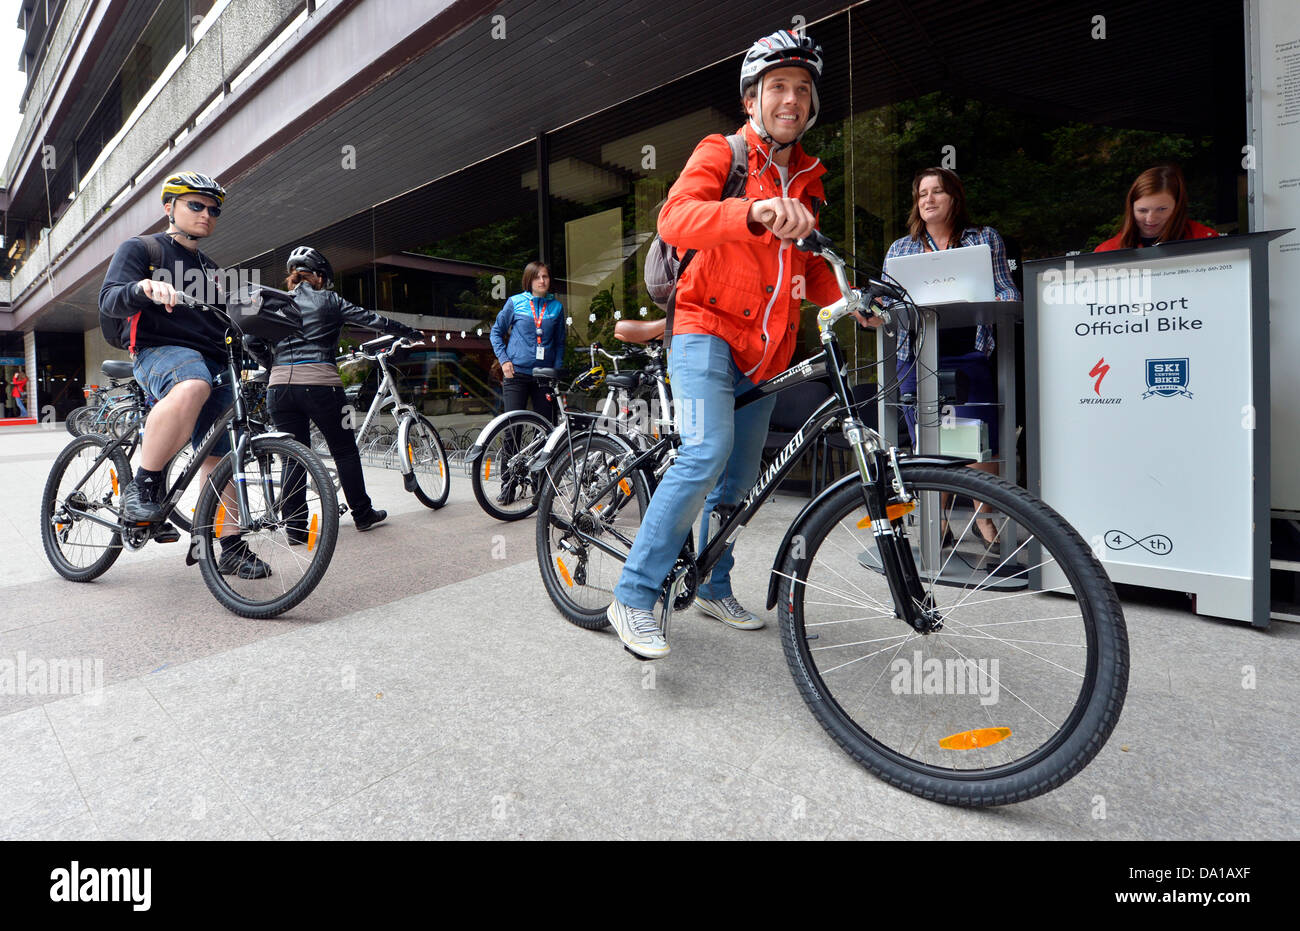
1167 378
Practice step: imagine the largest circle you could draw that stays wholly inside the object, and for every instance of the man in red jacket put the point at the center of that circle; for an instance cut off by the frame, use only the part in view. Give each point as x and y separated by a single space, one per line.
735 321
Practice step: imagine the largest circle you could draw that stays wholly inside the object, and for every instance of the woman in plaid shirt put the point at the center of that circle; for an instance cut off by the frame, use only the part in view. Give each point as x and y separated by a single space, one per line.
939 220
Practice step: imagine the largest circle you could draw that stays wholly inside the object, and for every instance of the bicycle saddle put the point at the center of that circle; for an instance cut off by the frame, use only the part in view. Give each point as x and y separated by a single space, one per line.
639 331
119 368
548 374
625 380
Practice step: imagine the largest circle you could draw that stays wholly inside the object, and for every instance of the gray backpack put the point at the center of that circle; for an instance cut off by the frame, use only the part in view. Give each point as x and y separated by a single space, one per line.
663 267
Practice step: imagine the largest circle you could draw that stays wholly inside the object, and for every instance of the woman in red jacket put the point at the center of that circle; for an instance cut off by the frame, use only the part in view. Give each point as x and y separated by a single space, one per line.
1156 211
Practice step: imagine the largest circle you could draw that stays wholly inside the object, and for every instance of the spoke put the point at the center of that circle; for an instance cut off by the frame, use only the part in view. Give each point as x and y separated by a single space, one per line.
852 602
1049 721
1012 645
857 643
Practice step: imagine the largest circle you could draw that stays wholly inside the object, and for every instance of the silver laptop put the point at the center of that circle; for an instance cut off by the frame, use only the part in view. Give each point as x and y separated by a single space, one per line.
964 274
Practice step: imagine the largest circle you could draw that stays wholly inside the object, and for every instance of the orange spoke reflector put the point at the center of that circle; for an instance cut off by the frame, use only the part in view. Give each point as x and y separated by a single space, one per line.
487 469
113 475
973 740
564 572
410 454
439 468
312 532
220 521
895 511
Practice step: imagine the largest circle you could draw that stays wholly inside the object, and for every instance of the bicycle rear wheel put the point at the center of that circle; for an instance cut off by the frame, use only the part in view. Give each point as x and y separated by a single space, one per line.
1017 690
77 547
293 521
424 458
503 484
585 529
72 421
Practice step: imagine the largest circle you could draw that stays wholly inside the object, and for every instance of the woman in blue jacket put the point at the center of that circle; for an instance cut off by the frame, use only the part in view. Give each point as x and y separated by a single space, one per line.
529 334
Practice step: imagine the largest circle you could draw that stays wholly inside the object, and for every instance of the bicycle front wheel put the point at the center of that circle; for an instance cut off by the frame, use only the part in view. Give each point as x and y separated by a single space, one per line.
1018 688
424 458
586 523
292 527
78 490
503 484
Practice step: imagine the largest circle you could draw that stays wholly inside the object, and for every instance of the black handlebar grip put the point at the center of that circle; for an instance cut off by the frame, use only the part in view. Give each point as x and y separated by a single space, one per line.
813 242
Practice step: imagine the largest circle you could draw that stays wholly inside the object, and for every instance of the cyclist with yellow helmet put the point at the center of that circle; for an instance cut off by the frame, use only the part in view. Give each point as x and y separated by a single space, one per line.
176 350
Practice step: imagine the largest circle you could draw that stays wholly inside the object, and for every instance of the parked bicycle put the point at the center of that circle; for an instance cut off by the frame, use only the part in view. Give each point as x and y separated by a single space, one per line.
967 672
420 453
270 489
507 459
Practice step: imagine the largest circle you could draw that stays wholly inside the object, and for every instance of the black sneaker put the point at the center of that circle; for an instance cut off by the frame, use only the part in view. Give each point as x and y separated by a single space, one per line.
239 560
508 494
135 509
369 519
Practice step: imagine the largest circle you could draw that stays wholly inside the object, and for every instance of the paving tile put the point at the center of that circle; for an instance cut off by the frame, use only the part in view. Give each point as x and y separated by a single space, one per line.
37 789
185 801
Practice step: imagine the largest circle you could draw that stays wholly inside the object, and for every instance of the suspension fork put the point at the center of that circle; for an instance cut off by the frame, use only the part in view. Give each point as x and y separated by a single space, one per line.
882 482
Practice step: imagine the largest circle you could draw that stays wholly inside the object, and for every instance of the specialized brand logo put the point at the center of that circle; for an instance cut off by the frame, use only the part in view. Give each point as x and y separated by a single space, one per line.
1167 377
80 883
1098 372
774 468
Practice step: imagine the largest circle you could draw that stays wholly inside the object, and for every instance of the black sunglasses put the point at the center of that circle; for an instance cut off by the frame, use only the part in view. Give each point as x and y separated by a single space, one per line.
198 207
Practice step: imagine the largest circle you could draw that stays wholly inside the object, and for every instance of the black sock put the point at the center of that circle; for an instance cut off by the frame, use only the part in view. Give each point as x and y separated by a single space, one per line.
149 483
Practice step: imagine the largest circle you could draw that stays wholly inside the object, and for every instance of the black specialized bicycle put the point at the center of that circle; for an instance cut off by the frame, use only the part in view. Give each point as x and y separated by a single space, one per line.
967 672
271 490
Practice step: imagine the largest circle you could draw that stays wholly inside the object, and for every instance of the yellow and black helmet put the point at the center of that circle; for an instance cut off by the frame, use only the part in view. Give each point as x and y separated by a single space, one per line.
191 182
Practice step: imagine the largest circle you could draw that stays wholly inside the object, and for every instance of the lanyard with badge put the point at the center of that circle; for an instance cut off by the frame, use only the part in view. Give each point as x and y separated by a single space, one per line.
935 248
537 322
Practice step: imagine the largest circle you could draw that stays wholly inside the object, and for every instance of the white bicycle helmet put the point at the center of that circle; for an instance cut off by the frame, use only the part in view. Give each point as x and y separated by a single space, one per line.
782 49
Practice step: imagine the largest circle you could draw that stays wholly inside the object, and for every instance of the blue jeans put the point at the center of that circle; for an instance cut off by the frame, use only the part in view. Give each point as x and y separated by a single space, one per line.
718 463
20 400
159 368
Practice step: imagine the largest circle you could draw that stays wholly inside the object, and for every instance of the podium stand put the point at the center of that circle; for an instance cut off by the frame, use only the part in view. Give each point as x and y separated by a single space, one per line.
1148 414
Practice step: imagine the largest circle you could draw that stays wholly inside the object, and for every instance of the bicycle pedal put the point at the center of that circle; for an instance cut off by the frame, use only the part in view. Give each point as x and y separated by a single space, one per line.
638 656
343 509
166 534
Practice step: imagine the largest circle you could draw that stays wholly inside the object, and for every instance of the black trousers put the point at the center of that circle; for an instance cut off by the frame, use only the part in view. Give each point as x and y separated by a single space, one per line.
516 391
295 407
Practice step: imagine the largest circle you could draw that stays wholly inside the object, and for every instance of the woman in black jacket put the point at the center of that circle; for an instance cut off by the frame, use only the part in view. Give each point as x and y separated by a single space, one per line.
305 388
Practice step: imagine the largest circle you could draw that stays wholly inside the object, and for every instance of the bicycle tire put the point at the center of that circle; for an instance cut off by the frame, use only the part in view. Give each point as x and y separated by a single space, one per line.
503 485
294 536
79 549
420 449
579 577
74 415
927 732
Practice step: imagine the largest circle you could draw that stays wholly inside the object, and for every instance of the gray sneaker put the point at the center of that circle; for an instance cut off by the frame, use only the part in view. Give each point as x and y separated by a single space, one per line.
730 612
638 629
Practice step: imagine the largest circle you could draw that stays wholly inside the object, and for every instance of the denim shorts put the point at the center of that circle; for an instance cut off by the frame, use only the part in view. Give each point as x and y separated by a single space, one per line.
160 368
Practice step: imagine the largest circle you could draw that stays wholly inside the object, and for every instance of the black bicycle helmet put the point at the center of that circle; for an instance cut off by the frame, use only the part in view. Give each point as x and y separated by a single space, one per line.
782 49
191 182
308 259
